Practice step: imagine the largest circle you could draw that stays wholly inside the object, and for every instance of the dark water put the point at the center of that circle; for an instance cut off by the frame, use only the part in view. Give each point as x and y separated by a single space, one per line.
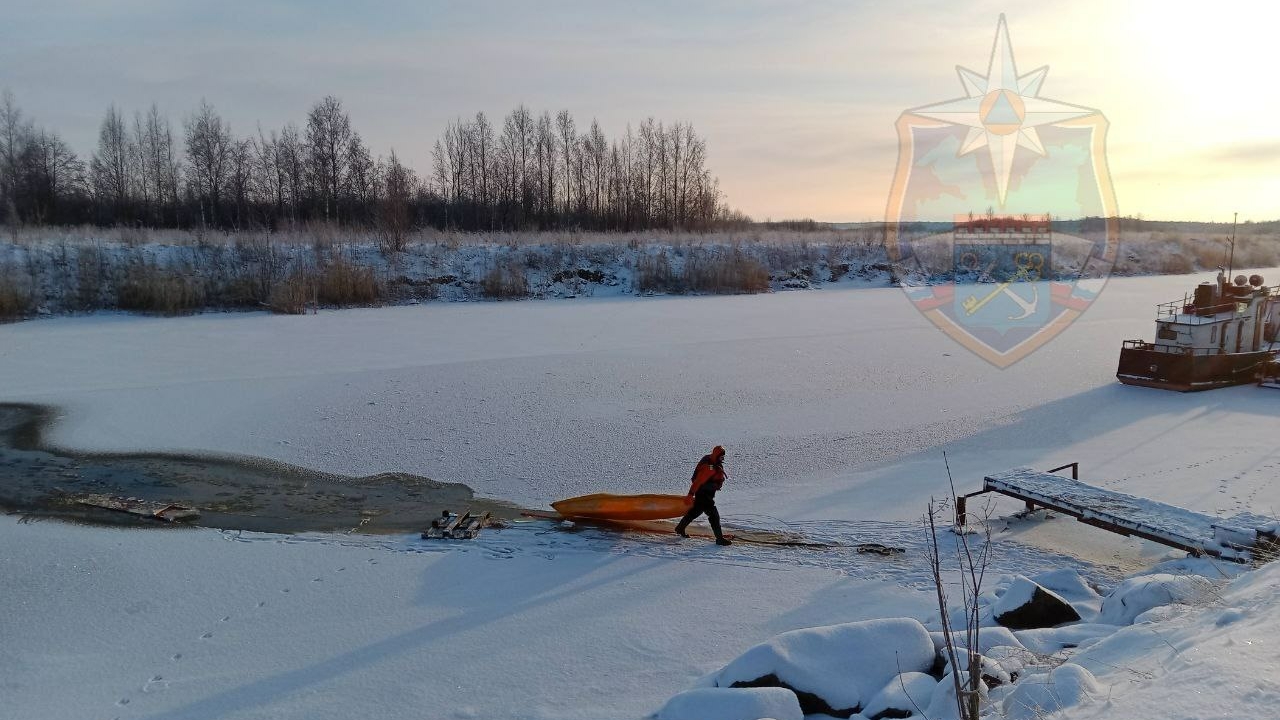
231 492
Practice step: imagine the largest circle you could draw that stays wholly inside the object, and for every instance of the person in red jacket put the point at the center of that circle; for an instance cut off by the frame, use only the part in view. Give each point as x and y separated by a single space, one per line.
708 477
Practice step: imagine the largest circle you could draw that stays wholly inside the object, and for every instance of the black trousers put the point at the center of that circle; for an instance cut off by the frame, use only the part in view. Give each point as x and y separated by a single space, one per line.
702 504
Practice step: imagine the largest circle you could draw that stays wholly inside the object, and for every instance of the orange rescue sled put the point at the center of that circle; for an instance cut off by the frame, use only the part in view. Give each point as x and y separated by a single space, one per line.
603 506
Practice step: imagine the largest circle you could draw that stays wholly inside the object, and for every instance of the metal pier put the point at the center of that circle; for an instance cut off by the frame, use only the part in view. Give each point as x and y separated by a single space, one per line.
1196 533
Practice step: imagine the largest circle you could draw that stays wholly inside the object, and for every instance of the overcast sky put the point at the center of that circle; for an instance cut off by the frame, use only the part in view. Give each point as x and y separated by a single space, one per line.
797 101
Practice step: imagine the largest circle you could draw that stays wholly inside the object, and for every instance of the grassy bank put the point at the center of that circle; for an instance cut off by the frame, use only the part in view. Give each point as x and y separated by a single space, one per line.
168 272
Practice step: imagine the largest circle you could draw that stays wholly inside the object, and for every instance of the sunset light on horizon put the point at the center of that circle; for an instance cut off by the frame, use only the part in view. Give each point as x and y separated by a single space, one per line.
797 102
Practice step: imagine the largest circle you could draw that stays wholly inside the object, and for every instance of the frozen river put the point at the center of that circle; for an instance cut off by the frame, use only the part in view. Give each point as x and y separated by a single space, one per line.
531 401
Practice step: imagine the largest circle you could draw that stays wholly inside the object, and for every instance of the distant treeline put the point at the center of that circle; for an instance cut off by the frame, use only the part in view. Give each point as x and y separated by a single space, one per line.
532 172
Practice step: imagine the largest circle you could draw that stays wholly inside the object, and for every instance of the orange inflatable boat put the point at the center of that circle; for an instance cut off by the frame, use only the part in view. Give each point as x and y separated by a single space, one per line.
603 506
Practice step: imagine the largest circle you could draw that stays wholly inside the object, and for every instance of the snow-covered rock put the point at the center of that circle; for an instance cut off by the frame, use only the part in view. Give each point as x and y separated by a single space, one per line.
1070 586
1042 695
1025 605
733 704
1011 658
993 674
1137 595
1047 641
988 637
905 696
837 667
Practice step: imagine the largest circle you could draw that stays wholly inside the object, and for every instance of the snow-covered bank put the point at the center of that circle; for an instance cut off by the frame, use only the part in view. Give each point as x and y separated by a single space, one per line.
62 270
527 623
834 406
1184 640
253 271
1210 658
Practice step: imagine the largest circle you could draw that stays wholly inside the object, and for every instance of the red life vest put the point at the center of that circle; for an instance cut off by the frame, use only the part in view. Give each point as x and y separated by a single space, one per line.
709 470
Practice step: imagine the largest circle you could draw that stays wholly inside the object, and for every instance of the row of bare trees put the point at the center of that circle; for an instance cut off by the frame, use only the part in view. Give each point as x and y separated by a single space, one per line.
531 173
40 176
542 172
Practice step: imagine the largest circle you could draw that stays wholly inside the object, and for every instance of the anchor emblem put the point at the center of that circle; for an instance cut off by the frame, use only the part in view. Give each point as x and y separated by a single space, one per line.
1030 267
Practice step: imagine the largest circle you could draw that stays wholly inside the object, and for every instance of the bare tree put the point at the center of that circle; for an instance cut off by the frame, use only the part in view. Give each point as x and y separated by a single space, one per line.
328 138
13 134
50 174
209 156
568 132
596 149
290 157
158 168
649 158
140 175
269 170
972 564
480 159
444 177
112 165
545 152
240 180
360 179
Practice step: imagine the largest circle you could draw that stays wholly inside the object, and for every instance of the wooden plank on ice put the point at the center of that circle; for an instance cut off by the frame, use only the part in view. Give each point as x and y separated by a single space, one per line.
168 512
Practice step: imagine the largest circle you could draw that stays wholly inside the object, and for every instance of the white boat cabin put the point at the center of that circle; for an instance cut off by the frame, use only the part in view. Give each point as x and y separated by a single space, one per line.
1220 318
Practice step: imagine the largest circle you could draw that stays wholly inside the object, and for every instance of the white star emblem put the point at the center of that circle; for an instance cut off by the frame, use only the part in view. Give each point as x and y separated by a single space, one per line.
1002 110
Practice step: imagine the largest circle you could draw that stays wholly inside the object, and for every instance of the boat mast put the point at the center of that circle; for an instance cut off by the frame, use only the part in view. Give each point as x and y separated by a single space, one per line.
1232 258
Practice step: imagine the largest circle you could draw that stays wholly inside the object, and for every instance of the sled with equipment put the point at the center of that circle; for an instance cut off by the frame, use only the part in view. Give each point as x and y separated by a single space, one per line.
450 526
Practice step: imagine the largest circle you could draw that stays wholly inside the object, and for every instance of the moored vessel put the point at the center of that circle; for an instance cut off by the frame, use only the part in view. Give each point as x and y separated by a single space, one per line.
1222 334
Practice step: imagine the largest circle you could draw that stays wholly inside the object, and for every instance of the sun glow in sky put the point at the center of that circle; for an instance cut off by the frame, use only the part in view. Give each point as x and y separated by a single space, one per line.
796 100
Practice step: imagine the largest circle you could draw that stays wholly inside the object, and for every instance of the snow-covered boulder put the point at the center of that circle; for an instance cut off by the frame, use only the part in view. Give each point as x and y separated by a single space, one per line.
993 674
1070 586
907 695
1137 595
988 637
1011 658
1040 696
1025 605
733 704
1048 641
835 669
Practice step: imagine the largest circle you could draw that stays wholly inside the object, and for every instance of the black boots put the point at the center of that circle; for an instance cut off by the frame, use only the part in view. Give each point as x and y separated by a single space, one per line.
720 539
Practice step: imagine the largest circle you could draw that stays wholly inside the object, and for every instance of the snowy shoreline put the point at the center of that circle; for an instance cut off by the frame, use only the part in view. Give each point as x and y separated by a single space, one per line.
57 272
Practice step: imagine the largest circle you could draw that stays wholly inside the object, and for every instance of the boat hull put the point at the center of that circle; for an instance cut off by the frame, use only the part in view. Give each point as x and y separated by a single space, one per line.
1186 372
603 506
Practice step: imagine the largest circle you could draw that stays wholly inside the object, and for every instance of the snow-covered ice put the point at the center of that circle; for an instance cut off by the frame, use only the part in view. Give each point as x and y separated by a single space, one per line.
834 405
